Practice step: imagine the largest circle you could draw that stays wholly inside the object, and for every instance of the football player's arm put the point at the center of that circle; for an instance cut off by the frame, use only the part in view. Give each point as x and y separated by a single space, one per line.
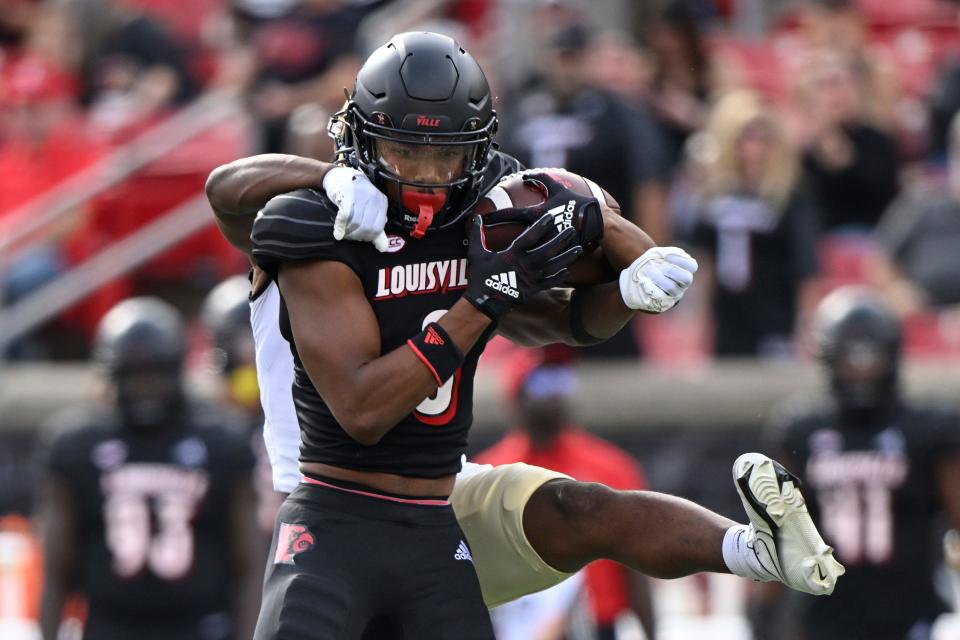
599 310
248 555
622 243
58 531
548 317
238 190
338 340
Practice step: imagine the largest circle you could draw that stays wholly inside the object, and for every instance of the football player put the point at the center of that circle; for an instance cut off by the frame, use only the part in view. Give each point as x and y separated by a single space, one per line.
385 346
877 470
148 512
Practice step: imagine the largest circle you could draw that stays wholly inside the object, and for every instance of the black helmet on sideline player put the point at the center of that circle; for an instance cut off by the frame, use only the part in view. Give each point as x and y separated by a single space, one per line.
141 346
422 106
226 316
858 340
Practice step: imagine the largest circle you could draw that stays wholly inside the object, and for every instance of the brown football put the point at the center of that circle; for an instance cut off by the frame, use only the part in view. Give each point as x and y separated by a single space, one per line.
511 191
592 267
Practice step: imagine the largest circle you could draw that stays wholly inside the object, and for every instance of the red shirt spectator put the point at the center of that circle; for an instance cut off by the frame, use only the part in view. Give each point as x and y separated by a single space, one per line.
590 459
43 140
546 438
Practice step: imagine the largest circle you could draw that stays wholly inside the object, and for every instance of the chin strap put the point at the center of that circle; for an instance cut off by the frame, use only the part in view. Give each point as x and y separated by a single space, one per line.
426 205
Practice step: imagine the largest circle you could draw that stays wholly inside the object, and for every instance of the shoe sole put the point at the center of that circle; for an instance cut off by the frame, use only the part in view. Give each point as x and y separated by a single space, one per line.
770 494
762 484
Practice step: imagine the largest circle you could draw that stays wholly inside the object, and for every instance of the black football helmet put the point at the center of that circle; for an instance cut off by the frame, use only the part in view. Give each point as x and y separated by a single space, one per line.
421 89
140 333
858 340
141 346
226 316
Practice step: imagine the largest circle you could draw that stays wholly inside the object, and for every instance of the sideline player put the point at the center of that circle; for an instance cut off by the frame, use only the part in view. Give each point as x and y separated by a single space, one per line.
148 508
878 470
408 383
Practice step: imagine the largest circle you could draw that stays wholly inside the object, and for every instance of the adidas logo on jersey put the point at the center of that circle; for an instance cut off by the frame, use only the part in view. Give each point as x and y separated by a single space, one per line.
463 552
433 337
563 215
504 283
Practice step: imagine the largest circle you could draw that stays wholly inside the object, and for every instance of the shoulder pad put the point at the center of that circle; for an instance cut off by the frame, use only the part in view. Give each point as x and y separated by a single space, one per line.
296 226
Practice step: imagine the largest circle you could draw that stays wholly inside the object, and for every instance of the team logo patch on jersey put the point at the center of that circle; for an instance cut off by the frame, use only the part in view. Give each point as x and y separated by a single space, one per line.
395 243
291 540
463 552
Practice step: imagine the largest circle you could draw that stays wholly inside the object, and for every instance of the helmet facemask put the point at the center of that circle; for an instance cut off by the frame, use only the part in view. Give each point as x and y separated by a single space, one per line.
863 373
431 179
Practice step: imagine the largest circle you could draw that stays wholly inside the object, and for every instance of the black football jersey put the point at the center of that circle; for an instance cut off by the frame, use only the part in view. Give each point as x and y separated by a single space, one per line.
153 520
412 284
874 496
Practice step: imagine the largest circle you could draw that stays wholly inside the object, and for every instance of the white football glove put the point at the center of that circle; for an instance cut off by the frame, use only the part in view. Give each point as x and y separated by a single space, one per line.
361 207
658 279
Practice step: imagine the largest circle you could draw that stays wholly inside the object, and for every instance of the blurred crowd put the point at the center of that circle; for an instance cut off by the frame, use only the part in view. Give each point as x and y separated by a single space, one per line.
793 146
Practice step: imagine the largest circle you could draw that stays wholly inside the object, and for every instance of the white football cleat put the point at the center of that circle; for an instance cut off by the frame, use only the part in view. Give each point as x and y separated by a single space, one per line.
781 534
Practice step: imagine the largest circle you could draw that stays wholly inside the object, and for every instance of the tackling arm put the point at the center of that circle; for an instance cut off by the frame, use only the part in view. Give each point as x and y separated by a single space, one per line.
238 190
547 318
338 340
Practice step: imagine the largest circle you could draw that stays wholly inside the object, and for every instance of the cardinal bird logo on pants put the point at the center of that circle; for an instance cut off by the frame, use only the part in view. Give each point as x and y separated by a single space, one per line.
291 540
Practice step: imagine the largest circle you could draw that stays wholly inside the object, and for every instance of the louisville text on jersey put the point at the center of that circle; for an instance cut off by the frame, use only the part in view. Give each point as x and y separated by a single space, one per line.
421 277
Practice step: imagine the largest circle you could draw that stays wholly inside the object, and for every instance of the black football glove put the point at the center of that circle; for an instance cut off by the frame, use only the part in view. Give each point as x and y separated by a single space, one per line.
502 280
568 208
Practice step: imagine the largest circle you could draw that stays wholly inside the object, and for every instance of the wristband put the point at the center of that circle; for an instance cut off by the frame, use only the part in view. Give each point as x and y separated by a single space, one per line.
436 350
579 332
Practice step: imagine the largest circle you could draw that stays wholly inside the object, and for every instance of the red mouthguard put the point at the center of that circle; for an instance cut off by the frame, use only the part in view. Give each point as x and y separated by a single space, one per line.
425 205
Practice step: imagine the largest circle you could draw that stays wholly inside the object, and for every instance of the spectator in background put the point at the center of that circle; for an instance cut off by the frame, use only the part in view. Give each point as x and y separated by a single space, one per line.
841 27
919 267
850 164
878 472
43 140
546 436
621 66
148 506
684 79
130 68
43 136
943 106
304 55
565 122
755 227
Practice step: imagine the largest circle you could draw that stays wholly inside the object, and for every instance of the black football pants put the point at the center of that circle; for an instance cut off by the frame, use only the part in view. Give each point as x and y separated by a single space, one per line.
339 560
